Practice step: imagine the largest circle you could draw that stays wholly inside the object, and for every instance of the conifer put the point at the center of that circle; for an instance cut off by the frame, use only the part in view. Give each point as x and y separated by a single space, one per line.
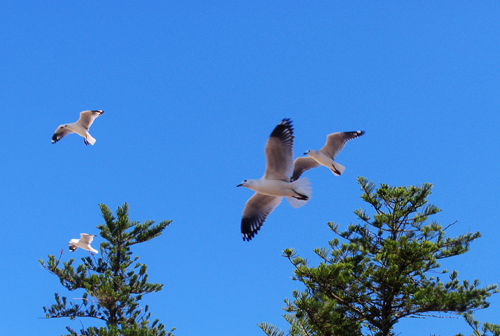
113 284
383 269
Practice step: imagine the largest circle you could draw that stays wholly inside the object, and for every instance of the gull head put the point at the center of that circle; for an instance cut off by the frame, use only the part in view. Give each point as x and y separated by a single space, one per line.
246 183
72 245
312 153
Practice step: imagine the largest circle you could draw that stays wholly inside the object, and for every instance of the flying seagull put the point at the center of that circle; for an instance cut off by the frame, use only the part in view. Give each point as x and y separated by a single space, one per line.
83 242
335 142
275 184
81 127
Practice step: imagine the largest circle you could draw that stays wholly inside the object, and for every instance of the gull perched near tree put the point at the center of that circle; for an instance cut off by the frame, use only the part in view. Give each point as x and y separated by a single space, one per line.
80 127
83 242
335 142
275 184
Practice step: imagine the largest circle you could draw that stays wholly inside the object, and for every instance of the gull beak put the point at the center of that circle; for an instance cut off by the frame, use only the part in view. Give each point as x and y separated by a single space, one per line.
240 185
304 154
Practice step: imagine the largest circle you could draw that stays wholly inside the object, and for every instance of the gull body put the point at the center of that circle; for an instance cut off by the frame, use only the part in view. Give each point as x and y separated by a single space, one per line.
272 187
83 243
275 184
80 127
325 160
325 156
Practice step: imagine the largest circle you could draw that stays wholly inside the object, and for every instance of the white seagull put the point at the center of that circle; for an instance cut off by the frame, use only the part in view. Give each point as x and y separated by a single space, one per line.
275 184
335 142
81 127
83 242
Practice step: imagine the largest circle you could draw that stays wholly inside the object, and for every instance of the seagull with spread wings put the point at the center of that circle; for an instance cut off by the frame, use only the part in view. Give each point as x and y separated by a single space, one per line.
275 184
83 242
335 142
80 127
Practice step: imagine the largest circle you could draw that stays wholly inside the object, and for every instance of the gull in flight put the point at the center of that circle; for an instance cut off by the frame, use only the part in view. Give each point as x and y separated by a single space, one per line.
275 184
335 142
80 127
83 242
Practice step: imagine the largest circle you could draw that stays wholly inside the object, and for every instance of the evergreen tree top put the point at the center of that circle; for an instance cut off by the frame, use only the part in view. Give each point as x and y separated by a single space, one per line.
113 284
377 271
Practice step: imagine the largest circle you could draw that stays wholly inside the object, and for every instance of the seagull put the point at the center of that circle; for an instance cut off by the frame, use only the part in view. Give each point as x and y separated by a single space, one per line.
335 142
275 184
81 127
83 242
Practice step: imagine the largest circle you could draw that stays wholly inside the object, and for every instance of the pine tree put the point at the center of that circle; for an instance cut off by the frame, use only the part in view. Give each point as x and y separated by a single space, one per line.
379 274
114 284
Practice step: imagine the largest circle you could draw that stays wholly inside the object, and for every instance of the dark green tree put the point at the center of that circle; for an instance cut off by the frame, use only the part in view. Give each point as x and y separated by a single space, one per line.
386 268
114 284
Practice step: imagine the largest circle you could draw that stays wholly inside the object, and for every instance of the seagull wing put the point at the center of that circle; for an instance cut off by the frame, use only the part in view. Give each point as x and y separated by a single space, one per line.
279 152
302 164
335 142
256 210
60 133
86 238
87 118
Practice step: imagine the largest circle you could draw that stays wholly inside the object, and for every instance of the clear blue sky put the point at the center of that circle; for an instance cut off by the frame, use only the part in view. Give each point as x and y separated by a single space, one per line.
191 92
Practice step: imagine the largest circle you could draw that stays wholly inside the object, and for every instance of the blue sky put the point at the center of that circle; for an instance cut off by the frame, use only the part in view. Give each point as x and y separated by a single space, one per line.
191 91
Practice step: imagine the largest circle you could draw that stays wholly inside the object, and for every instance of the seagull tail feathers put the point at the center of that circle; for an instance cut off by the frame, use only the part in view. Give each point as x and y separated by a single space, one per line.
337 168
90 139
302 187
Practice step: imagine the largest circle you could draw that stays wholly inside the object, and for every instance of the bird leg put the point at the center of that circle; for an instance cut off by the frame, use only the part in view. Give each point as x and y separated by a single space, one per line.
300 196
335 170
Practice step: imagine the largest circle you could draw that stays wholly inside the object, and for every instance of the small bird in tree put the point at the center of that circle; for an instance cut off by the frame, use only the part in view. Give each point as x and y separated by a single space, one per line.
80 127
275 184
335 142
83 242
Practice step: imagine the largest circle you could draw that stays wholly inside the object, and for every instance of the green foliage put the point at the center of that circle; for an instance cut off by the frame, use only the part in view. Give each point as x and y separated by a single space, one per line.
378 274
485 329
113 284
298 327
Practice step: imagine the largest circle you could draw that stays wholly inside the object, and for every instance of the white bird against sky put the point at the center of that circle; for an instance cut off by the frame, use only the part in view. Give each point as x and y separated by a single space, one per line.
80 127
275 184
83 242
335 142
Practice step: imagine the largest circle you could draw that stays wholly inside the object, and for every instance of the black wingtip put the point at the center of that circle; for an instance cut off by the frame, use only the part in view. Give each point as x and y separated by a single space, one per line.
284 130
355 134
249 228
